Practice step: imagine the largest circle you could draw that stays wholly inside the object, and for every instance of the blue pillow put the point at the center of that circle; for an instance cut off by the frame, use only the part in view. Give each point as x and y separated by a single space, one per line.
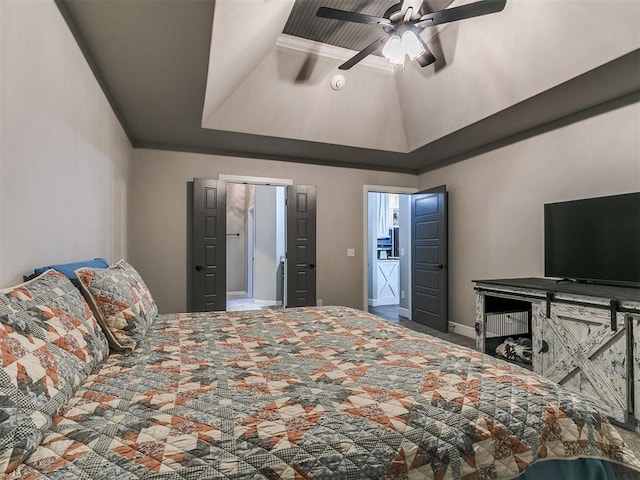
68 269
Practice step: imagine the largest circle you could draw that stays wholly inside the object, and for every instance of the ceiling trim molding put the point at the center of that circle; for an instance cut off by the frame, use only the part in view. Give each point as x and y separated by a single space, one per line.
279 157
331 51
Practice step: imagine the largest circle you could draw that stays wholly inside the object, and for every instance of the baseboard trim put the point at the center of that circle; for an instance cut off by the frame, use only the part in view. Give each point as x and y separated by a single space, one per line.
404 312
462 329
267 303
377 302
237 294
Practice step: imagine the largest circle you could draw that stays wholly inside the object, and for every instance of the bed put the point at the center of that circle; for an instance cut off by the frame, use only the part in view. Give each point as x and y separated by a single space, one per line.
317 392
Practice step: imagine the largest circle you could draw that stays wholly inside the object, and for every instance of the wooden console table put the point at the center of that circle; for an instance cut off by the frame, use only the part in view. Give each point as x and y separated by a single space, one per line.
585 336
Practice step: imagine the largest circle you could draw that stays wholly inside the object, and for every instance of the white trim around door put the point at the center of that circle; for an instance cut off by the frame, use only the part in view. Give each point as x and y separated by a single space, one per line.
255 180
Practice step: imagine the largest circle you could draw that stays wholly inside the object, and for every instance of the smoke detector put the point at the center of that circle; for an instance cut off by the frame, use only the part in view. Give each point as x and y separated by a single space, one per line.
337 82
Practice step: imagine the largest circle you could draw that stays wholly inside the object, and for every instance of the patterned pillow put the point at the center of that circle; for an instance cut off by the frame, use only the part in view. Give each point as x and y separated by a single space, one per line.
56 308
35 379
148 302
122 302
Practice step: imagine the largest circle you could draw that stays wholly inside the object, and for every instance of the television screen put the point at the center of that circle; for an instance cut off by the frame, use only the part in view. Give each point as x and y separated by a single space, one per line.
596 239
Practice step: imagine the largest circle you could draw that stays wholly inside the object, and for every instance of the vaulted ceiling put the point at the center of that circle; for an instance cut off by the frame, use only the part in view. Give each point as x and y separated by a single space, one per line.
252 77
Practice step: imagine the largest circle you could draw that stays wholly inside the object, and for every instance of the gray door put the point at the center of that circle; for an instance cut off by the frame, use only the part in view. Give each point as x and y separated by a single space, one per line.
429 270
301 246
209 252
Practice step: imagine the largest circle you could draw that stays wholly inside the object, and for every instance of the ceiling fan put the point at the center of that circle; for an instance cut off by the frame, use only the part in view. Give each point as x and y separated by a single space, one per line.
403 23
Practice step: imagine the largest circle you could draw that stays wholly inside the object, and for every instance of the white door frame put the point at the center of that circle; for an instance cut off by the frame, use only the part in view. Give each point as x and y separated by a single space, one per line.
251 245
255 180
365 240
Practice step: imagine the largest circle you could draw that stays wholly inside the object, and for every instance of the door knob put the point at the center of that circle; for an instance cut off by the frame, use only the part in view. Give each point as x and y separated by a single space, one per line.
311 265
198 268
439 267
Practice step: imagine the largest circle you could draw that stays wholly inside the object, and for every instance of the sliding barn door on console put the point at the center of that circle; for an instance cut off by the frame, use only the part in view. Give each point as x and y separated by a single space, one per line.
429 257
209 252
301 246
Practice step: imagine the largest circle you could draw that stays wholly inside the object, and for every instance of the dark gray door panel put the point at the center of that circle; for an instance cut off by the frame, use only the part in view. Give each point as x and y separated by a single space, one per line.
301 245
429 260
208 252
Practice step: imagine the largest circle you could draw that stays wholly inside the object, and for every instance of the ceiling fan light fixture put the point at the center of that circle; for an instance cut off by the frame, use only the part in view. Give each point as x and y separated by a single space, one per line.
397 47
411 45
394 51
404 25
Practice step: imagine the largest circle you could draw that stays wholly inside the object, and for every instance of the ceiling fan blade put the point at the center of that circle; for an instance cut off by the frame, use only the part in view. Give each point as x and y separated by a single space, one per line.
335 14
427 58
470 10
363 53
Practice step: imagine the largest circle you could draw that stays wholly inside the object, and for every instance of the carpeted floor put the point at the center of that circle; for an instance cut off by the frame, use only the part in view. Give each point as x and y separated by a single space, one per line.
390 312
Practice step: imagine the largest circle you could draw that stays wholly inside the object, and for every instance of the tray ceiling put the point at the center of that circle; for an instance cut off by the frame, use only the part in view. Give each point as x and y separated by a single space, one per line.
152 60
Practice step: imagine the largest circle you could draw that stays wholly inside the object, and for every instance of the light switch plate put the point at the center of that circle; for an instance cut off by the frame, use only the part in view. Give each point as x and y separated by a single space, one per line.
351 252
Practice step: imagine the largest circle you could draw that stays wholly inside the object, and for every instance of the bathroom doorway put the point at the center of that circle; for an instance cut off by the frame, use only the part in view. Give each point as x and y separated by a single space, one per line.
388 255
256 219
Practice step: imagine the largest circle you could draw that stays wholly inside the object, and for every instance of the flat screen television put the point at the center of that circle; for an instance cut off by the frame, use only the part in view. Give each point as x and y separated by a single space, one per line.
594 240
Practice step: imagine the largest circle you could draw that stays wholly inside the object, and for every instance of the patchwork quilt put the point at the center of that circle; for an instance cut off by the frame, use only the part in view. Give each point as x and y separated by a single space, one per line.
322 393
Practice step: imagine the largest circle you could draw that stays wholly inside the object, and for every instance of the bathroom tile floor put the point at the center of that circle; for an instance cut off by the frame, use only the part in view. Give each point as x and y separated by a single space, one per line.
237 303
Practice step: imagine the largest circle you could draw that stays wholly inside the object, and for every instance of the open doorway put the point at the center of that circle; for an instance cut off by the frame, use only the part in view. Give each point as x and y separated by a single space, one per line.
208 239
388 255
256 222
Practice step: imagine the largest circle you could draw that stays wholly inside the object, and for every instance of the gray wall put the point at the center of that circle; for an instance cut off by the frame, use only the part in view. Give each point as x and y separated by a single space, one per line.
265 259
236 245
158 206
64 158
496 199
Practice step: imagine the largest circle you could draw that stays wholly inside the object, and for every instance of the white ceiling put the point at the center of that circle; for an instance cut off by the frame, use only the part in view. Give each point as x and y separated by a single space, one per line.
486 64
